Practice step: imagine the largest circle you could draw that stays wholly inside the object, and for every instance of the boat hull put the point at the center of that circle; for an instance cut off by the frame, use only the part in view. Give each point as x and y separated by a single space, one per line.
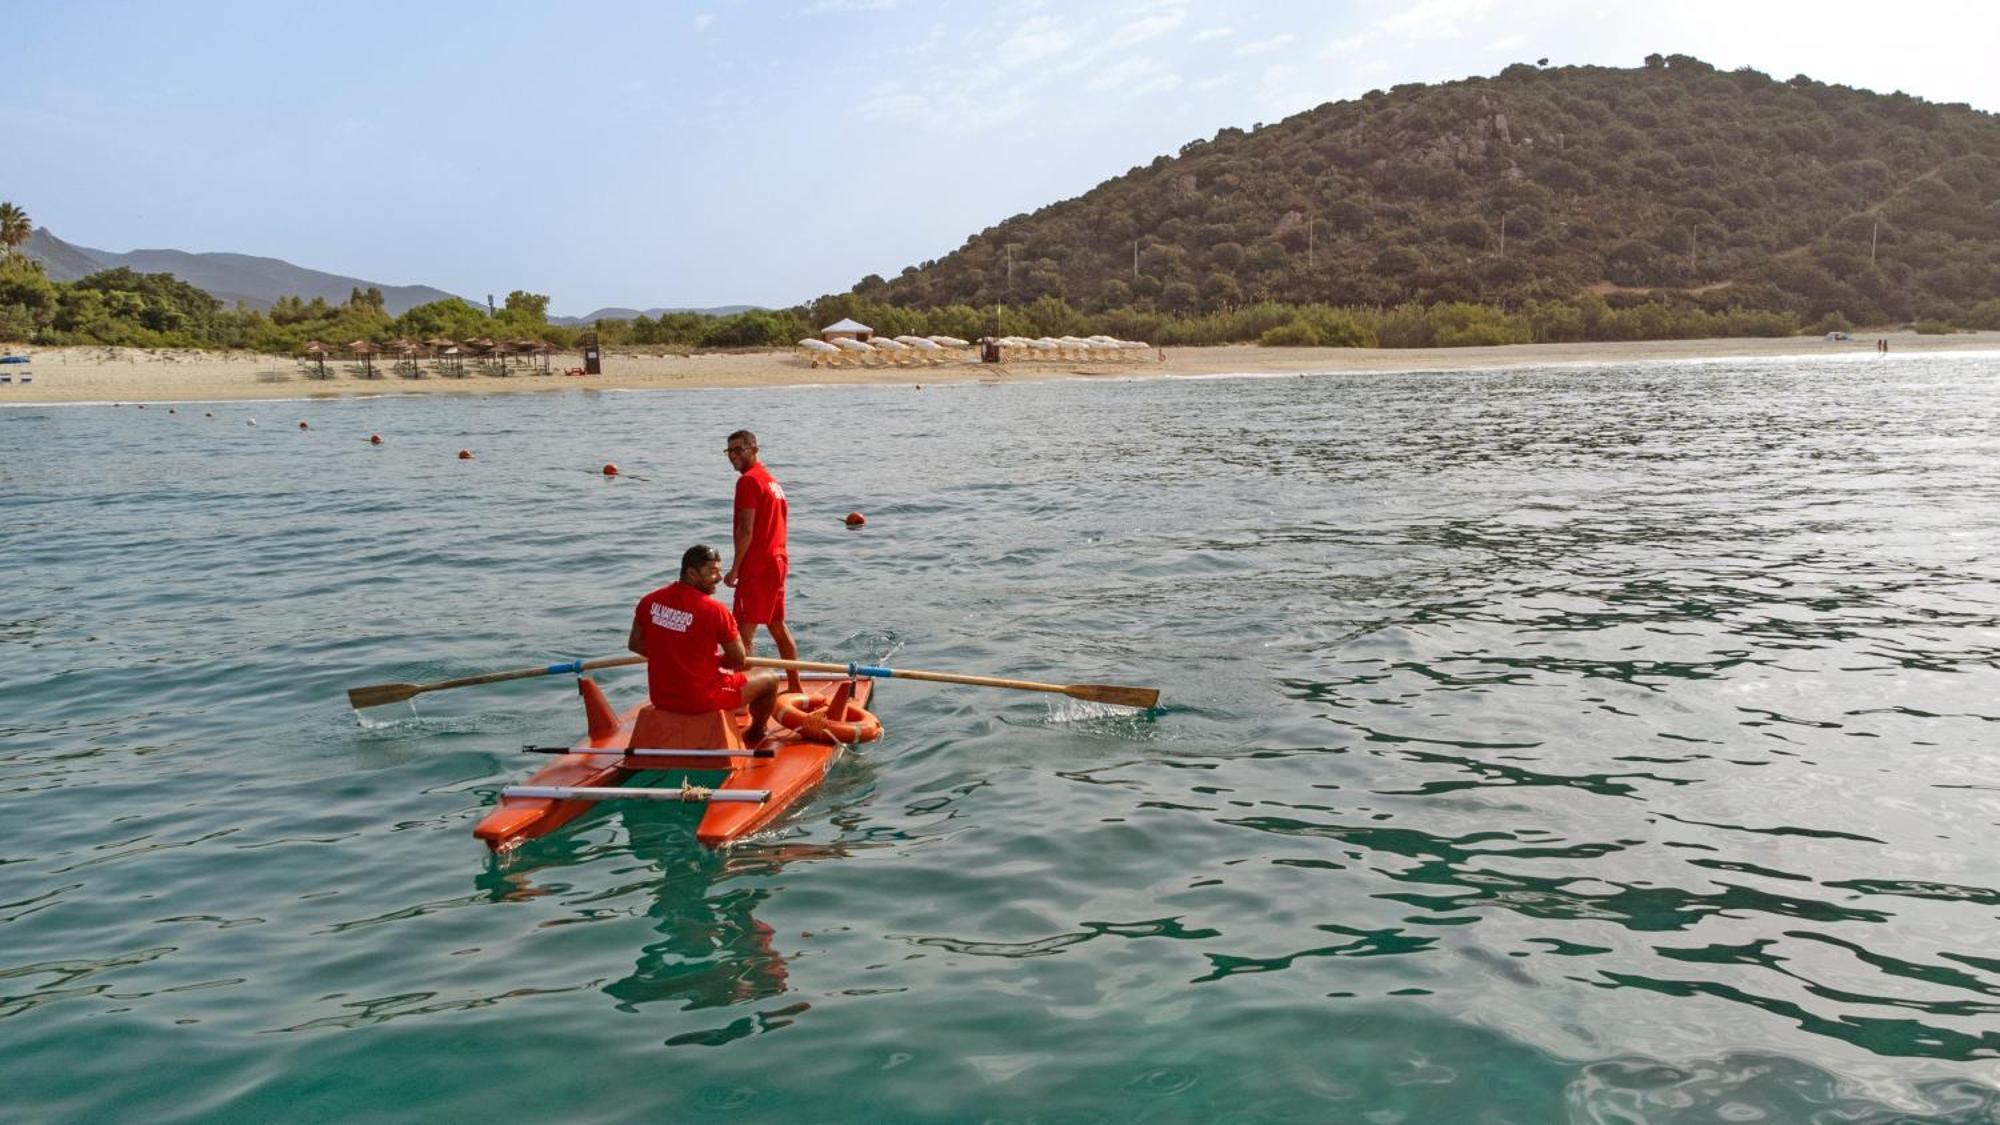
795 767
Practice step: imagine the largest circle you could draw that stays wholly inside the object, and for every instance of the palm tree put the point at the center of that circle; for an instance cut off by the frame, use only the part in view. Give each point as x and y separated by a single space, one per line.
14 228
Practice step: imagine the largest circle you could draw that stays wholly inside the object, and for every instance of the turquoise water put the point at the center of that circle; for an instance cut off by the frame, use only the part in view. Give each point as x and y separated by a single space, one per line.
1597 744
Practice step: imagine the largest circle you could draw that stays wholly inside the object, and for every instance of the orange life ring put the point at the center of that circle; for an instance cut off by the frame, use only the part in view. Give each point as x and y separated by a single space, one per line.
808 716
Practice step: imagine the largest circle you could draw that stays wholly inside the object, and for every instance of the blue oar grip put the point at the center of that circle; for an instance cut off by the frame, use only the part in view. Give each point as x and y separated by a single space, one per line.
575 666
870 670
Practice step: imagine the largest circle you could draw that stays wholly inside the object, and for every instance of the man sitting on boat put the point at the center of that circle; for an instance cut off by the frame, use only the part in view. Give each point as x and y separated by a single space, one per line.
694 653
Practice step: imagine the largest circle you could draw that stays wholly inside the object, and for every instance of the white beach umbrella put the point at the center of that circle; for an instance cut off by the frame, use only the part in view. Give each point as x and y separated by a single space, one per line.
817 346
849 344
949 342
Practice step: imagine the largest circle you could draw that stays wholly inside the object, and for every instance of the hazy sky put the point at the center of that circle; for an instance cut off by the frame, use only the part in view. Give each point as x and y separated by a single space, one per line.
721 152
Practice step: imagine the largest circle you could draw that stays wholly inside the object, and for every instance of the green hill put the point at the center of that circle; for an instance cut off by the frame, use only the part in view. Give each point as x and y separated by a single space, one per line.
1727 189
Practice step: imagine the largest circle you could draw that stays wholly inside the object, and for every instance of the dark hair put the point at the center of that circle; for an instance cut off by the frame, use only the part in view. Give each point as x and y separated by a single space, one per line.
746 437
698 556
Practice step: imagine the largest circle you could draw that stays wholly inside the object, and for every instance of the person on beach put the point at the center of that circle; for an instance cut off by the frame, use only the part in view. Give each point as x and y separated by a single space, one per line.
758 569
694 654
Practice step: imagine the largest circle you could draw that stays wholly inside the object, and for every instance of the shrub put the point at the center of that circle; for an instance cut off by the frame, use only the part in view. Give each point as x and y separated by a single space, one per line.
1297 334
1934 328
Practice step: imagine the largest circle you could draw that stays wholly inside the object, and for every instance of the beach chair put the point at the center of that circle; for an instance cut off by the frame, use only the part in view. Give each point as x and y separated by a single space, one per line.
892 351
855 349
819 353
921 350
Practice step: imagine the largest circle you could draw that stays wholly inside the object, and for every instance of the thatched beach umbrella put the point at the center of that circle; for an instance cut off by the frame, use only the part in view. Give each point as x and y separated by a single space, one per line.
316 351
445 355
406 352
366 349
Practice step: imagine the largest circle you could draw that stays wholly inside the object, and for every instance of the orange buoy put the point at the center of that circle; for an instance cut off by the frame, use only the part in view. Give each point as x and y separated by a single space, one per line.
303 426
856 519
374 439
838 717
465 454
610 470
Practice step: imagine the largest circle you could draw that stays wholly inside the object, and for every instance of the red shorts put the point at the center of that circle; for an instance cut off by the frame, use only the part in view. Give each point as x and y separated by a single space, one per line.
760 598
725 695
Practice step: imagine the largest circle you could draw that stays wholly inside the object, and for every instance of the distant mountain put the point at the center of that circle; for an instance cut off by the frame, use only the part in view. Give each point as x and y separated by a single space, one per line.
1538 183
229 278
634 314
60 260
257 282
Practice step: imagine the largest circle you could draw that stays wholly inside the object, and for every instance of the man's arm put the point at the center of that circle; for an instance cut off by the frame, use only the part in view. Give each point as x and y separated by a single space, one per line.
734 655
636 640
746 524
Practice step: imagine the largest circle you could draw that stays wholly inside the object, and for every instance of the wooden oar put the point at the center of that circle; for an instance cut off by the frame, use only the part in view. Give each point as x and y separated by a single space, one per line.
1142 698
376 695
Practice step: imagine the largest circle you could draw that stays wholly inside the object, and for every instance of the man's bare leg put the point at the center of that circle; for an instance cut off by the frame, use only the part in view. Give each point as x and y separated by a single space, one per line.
760 693
787 650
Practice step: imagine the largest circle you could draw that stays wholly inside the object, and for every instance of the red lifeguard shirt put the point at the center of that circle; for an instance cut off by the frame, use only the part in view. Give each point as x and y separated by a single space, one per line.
757 489
684 630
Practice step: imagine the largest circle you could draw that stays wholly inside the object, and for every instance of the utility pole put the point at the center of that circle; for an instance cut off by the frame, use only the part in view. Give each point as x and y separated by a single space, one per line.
1871 241
1135 259
1310 224
1503 234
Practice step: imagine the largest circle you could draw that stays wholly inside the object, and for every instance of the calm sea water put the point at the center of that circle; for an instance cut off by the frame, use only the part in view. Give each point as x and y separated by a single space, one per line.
1600 744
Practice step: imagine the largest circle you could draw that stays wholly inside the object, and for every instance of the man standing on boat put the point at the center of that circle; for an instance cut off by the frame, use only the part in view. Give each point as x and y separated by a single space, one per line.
758 570
694 653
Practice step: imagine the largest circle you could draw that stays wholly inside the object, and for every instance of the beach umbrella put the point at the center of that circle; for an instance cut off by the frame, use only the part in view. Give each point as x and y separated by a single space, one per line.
366 350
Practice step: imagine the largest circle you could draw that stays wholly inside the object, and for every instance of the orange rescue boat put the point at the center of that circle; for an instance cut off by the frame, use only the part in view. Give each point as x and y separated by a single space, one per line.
762 781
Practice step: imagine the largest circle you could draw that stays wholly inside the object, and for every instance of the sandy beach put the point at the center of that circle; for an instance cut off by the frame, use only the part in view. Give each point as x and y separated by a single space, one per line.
112 375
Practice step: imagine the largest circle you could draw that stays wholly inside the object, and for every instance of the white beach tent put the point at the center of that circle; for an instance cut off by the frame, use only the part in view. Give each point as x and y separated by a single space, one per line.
846 329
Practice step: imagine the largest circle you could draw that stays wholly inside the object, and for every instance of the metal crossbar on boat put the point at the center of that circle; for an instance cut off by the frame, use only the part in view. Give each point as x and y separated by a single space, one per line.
722 755
686 793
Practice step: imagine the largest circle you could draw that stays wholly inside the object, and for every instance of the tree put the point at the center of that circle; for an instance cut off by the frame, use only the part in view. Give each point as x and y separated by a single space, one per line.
530 306
14 228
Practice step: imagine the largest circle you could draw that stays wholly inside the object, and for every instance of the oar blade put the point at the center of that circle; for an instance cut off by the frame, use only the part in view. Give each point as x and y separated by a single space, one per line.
1145 699
380 695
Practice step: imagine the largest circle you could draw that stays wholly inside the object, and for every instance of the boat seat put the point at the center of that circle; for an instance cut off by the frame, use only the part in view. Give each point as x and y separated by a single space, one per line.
655 729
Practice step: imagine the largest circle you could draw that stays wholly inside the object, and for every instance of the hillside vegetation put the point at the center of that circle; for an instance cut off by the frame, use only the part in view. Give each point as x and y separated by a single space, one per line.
1712 189
1543 204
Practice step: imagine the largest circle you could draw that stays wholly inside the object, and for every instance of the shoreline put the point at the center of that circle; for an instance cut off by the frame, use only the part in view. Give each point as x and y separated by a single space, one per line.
102 375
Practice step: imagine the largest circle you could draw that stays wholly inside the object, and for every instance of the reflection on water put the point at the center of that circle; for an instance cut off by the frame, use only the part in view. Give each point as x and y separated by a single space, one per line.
1606 744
